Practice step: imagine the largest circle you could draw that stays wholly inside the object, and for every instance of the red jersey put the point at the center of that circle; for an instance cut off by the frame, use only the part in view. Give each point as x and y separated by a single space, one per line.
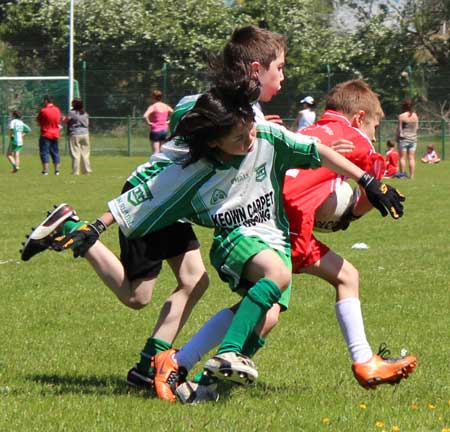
49 119
305 190
391 162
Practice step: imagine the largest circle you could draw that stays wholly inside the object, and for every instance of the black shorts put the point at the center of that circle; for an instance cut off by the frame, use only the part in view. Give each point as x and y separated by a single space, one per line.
143 257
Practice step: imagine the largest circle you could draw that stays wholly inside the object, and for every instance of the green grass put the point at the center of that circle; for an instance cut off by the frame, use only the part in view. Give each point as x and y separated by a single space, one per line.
67 343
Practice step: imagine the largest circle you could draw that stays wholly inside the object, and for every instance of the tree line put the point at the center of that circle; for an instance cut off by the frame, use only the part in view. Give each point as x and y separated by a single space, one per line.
399 47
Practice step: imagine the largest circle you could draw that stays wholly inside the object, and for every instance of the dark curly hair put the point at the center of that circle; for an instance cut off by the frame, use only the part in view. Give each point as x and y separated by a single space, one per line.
214 115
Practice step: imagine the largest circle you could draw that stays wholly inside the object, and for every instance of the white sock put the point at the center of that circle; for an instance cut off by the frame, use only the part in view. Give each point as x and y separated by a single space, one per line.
349 315
209 336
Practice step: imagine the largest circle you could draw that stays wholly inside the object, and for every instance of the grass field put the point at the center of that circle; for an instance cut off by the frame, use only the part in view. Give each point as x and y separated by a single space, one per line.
67 343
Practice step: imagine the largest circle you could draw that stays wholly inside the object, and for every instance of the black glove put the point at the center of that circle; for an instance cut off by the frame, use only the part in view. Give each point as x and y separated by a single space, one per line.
80 240
383 197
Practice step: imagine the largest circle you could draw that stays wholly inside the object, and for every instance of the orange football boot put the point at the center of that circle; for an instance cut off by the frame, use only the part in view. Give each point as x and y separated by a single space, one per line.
167 375
381 369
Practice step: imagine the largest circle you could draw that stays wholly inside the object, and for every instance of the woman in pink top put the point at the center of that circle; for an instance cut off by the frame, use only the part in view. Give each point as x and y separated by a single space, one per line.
157 117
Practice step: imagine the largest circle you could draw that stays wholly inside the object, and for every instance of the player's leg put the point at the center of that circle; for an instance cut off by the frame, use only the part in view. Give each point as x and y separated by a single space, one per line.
10 155
136 292
192 280
17 158
270 276
179 245
369 369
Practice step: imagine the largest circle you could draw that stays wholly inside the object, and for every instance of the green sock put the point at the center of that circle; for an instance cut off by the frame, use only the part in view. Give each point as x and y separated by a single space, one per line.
203 379
152 347
253 343
255 304
71 225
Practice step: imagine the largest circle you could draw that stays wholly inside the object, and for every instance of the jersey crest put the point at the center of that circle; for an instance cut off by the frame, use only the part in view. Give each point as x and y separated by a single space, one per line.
261 172
217 196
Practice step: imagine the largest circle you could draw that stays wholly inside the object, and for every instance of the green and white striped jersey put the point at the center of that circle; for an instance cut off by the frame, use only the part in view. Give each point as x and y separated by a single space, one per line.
184 105
244 194
174 150
18 127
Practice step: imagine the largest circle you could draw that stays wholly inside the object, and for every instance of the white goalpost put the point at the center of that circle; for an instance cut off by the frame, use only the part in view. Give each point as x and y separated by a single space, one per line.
70 76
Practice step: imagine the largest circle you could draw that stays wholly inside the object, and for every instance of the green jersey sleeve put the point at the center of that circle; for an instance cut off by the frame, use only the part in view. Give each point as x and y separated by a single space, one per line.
294 150
181 108
161 201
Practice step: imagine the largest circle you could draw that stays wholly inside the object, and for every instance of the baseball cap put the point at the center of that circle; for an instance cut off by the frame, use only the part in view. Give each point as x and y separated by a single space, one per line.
308 100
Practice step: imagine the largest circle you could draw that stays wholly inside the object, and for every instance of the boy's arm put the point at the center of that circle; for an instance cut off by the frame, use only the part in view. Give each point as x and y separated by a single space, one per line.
382 196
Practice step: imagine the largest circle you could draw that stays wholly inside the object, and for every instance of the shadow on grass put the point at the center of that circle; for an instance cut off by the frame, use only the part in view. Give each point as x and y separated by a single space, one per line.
53 384
75 384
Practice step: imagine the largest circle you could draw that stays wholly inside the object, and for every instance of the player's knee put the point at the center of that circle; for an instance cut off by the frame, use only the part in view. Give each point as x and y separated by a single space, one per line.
348 279
281 275
195 284
136 303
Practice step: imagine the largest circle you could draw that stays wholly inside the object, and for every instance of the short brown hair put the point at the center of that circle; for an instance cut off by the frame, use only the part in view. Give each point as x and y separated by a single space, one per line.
251 43
157 95
246 45
352 96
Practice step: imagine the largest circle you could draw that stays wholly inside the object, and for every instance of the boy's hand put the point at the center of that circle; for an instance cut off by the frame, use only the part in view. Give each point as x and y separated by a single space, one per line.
383 197
80 240
343 146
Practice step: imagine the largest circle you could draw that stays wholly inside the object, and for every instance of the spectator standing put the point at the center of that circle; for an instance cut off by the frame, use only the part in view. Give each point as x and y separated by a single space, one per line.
408 124
78 129
18 130
157 117
391 160
305 117
431 156
49 118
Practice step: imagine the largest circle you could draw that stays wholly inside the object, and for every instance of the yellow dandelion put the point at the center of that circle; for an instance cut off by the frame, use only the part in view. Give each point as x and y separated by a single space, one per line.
431 407
446 429
326 420
414 406
440 418
362 405
379 424
395 428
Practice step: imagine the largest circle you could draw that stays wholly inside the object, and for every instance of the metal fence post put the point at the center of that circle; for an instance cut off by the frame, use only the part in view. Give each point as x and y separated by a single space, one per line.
328 77
164 71
379 137
83 84
3 126
129 135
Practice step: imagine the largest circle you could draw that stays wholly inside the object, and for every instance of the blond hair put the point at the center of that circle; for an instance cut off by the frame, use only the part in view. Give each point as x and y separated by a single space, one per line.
352 96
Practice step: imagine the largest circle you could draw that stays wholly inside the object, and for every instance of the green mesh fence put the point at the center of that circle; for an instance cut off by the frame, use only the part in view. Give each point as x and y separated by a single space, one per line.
128 136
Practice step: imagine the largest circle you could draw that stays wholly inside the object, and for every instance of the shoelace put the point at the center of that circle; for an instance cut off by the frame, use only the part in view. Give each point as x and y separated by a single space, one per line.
383 351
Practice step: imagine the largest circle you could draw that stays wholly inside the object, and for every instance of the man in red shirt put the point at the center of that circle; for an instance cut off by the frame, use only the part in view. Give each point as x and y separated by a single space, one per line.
49 119
352 112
